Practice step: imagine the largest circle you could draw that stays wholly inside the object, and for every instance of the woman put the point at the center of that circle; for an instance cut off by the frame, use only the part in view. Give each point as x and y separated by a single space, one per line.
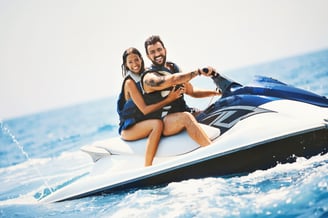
137 119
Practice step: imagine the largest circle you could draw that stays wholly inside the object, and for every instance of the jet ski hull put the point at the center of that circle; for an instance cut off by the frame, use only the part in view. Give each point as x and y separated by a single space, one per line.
254 157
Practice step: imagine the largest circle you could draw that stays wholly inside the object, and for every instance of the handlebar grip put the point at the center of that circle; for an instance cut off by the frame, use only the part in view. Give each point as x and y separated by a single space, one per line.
205 69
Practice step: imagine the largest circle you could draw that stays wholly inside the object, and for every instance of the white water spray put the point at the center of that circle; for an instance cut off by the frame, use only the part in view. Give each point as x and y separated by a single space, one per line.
6 131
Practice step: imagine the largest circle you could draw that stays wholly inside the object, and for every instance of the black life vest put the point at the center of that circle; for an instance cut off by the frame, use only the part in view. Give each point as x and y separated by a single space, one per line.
179 105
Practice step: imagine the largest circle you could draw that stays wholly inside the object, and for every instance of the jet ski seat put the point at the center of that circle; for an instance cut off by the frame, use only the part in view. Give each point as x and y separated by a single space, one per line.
168 146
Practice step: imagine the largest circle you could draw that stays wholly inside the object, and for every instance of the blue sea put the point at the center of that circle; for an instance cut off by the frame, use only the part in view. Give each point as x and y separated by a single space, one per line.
40 152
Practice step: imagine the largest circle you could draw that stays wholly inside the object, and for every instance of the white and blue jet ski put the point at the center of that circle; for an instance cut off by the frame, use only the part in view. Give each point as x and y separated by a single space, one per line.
251 128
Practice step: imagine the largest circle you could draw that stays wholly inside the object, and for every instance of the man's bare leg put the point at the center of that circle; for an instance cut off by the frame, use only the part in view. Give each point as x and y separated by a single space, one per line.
176 122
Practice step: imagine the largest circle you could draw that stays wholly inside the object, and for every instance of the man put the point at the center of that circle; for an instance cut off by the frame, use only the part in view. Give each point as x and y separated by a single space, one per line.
162 77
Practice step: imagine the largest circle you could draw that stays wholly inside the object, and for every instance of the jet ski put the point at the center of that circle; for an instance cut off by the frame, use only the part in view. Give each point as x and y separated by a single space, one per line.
252 127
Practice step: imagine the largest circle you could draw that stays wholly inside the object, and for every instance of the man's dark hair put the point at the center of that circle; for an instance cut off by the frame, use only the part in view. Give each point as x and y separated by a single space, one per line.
151 41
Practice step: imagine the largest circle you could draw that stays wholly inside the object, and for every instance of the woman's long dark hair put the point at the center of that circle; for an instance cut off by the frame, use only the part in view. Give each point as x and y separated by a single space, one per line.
124 66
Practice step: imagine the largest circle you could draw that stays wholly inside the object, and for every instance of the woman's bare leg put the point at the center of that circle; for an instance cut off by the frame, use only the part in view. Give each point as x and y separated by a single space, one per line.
148 128
176 122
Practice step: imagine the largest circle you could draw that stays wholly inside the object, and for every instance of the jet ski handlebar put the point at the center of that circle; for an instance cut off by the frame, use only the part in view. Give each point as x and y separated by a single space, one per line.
222 82
205 69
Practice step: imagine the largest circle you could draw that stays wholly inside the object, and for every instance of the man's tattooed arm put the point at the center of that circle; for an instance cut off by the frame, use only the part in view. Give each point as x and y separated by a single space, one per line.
155 82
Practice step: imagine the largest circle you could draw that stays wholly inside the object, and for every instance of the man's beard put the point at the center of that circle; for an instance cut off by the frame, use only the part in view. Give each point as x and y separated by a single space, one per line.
162 64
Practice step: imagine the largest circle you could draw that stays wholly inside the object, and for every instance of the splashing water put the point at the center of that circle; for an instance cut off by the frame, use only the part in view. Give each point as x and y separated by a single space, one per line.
6 131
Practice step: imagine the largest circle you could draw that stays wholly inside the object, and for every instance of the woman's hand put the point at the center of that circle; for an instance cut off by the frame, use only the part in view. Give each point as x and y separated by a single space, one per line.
176 92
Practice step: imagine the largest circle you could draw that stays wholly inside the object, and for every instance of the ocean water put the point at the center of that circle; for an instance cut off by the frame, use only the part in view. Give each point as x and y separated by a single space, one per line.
40 152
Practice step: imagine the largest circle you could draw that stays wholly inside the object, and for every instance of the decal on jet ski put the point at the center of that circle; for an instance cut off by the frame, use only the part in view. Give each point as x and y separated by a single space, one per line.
226 118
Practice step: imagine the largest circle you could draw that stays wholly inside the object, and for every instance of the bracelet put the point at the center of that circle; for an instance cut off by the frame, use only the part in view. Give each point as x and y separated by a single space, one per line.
199 72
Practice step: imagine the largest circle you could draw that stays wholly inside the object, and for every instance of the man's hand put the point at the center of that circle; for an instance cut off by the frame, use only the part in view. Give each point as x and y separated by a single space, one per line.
207 71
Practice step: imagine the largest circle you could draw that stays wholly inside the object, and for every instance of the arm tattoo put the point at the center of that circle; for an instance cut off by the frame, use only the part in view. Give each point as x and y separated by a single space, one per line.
155 82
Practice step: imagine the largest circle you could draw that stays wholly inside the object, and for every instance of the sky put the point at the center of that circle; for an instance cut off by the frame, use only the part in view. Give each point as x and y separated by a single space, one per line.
56 53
